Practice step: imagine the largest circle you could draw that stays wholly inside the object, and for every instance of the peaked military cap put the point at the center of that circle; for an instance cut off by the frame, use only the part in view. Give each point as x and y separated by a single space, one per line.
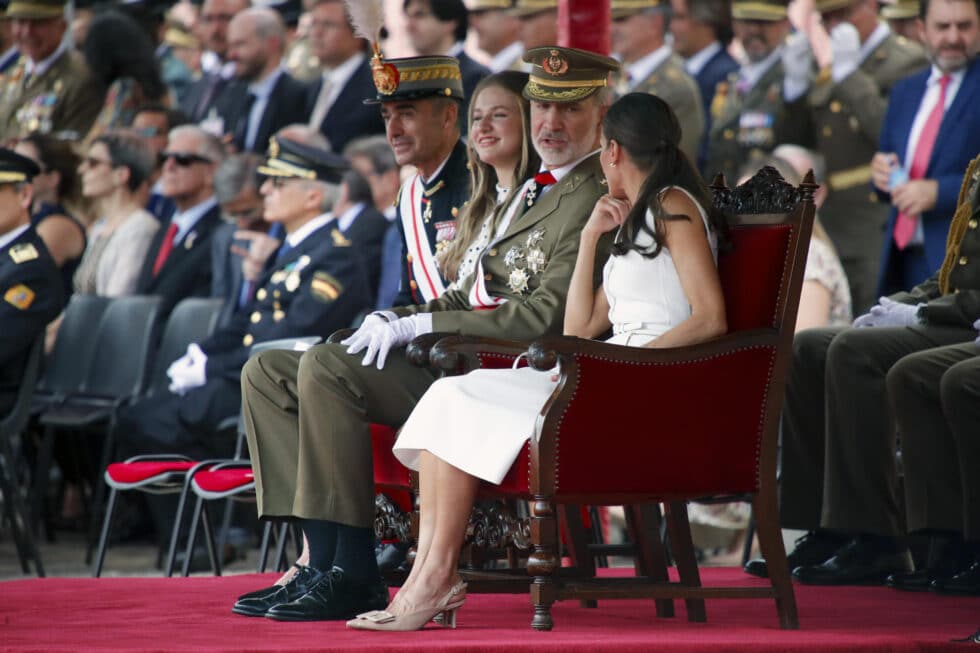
626 8
486 5
15 168
412 78
35 9
825 6
292 160
769 10
531 7
566 74
900 9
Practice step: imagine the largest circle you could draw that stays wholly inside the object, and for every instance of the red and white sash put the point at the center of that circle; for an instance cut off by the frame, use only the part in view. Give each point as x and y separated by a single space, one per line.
424 268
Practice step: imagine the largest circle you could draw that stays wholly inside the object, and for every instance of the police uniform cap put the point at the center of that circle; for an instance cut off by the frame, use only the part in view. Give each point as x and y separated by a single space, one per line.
524 8
566 74
35 9
900 9
15 168
413 78
626 8
291 160
766 10
488 5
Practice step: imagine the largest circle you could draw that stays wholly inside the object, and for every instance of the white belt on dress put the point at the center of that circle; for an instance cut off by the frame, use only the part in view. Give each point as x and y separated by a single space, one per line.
624 327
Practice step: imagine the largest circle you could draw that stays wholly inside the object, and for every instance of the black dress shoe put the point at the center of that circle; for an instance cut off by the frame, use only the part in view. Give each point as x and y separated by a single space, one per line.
861 561
966 583
811 549
916 581
332 596
257 603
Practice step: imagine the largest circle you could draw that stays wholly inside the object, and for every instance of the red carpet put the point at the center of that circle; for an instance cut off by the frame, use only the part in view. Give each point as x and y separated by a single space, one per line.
155 614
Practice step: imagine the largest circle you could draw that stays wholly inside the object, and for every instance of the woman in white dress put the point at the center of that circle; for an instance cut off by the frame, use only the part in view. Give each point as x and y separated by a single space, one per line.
660 289
500 158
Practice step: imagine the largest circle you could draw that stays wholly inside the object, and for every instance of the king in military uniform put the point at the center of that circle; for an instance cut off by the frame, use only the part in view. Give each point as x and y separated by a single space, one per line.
639 29
311 444
30 283
748 111
50 88
316 285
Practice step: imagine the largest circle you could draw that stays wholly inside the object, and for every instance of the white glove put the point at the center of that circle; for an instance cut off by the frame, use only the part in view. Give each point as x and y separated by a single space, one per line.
976 325
890 313
797 64
188 371
845 48
379 339
365 333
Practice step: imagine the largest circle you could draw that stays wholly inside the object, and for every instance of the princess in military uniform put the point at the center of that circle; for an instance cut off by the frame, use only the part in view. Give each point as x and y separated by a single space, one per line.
660 289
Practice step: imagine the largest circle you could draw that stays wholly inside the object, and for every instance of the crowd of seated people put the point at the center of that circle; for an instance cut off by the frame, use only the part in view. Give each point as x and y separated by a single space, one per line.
311 192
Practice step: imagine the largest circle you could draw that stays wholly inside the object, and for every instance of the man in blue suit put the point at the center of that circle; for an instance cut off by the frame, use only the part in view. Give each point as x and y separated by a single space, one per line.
334 100
924 148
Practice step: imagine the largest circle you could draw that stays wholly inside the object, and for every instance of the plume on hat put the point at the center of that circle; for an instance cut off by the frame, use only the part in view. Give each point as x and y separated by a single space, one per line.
367 18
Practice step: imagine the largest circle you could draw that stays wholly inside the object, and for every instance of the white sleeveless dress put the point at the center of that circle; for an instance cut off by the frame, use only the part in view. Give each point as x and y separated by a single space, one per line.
480 421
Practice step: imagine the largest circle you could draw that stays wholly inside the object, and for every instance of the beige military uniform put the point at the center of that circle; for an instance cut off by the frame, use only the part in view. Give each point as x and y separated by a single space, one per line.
744 125
340 398
843 122
673 85
64 98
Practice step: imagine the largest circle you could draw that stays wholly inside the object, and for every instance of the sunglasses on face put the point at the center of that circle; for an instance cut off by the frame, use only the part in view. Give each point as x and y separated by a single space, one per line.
183 159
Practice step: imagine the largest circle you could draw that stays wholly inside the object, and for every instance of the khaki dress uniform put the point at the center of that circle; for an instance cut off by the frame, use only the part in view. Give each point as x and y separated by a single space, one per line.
308 415
838 461
671 83
842 121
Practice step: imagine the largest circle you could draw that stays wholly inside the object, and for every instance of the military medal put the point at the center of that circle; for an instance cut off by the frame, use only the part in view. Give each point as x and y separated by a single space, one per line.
532 194
292 281
535 260
278 276
517 281
189 241
278 316
534 237
513 256
427 213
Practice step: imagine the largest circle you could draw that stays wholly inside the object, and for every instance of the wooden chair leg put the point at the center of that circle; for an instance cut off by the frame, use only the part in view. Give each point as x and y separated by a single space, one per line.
577 540
771 543
687 564
643 521
543 561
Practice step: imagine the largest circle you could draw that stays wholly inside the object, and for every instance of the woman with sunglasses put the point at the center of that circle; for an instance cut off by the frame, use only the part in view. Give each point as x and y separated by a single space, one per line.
115 173
660 289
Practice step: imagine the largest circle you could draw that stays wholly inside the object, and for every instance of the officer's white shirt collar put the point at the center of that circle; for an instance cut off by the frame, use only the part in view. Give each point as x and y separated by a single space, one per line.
698 61
560 173
340 74
11 236
752 72
456 50
645 65
503 59
880 34
438 170
38 68
390 213
294 239
348 217
185 220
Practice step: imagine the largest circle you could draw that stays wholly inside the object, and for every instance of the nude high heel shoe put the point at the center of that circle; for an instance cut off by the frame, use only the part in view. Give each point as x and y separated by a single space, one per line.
446 607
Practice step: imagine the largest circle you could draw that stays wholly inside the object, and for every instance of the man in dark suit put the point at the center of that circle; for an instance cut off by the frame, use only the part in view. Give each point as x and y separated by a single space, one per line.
702 30
178 263
334 100
216 70
361 224
264 97
925 147
30 283
438 27
314 286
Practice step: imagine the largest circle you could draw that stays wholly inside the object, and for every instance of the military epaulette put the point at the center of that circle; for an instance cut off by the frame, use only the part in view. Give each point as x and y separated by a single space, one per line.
23 253
325 287
339 239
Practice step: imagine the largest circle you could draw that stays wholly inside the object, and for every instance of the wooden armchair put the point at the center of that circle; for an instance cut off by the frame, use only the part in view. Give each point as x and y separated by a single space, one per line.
622 428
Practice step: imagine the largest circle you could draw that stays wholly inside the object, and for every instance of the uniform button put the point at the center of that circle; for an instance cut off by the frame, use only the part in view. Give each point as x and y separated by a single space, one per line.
963 260
276 294
493 251
972 224
256 317
487 277
261 294
872 197
835 107
408 257
827 131
728 134
413 284
247 340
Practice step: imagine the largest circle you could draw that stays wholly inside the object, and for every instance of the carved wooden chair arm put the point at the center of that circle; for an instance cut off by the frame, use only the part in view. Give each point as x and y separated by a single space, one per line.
460 354
340 334
419 350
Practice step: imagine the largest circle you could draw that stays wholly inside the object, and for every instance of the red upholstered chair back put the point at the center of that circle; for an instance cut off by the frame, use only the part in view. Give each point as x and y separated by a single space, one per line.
751 273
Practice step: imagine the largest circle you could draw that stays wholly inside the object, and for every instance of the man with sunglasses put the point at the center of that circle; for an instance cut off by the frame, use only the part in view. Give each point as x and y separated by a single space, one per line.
315 284
30 283
178 264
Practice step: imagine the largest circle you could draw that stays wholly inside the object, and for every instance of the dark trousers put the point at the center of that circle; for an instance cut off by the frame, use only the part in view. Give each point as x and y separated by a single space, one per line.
838 449
935 396
906 269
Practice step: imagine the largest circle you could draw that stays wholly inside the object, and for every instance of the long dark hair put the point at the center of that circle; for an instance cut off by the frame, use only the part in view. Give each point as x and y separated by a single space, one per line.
57 154
647 129
116 47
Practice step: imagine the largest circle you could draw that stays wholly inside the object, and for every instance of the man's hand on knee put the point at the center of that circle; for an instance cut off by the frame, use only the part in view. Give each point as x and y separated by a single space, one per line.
383 330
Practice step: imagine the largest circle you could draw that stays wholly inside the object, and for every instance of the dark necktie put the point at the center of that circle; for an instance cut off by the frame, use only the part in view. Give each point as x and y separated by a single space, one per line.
241 129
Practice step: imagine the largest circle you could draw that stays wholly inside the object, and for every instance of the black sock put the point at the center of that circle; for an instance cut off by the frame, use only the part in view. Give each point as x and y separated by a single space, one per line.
322 536
355 553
